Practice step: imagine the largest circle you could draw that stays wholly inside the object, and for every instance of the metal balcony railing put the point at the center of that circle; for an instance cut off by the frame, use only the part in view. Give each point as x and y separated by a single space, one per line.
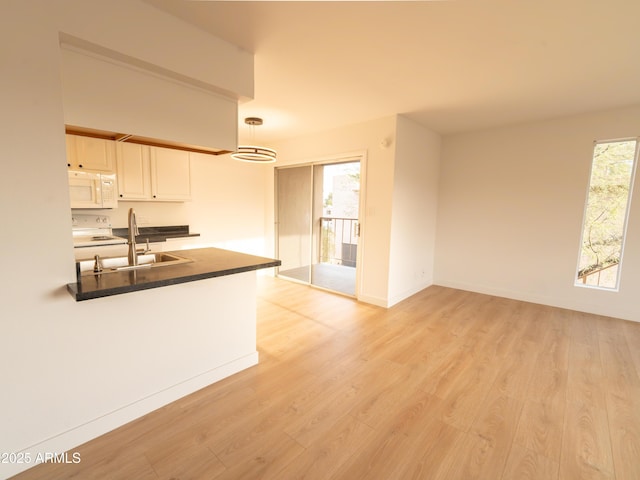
338 240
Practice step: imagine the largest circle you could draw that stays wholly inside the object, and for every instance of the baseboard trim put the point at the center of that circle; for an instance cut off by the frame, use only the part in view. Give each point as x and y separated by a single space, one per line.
594 309
377 301
408 293
70 439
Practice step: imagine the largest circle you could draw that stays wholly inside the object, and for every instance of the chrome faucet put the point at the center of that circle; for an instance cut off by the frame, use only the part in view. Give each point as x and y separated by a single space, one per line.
97 266
133 231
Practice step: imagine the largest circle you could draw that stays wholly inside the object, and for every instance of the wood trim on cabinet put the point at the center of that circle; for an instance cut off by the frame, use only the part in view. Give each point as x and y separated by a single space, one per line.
153 142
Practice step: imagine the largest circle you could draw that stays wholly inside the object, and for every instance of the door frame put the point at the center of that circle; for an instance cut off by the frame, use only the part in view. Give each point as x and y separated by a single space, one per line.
345 157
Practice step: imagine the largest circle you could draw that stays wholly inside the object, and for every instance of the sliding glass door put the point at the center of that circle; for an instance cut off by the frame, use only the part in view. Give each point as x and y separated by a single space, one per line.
317 210
293 220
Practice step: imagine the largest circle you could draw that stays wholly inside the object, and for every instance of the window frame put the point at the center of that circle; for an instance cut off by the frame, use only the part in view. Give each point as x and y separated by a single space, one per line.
576 280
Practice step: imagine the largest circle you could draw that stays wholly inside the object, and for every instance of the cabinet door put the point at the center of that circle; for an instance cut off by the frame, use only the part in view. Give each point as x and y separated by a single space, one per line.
72 156
134 174
170 174
89 153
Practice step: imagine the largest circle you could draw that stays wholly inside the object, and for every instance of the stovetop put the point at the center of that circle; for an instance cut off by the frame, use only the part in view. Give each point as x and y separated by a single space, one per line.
93 231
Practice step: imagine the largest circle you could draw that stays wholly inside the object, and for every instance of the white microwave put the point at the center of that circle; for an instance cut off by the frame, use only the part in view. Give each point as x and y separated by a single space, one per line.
92 190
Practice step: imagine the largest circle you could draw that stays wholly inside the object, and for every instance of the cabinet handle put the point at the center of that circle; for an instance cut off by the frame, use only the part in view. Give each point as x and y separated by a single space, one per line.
121 195
68 164
80 166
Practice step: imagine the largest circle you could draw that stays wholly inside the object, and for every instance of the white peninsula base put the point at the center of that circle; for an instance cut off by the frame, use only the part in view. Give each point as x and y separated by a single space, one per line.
154 347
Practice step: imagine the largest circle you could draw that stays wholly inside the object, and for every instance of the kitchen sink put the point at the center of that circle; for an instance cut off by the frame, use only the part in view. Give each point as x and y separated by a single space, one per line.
119 264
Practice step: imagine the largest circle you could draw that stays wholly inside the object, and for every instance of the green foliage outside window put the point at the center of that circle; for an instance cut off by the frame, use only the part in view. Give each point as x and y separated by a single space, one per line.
606 212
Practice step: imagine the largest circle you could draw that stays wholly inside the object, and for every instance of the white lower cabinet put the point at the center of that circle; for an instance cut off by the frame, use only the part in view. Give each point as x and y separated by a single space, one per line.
87 253
153 173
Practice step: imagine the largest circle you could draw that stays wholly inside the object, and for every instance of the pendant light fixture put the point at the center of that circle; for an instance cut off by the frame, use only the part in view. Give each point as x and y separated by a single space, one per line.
253 153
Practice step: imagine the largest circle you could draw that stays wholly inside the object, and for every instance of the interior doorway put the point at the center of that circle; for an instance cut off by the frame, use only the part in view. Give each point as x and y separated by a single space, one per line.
318 223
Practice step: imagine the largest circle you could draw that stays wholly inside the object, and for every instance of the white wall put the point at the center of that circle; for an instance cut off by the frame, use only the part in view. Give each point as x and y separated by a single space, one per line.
510 212
137 33
227 208
65 364
378 174
400 187
415 201
104 94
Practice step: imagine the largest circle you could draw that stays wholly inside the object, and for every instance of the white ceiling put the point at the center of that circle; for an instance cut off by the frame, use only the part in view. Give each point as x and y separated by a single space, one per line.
452 66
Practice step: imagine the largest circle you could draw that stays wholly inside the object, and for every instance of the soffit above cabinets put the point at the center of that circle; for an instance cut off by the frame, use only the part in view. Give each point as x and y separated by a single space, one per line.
129 138
106 95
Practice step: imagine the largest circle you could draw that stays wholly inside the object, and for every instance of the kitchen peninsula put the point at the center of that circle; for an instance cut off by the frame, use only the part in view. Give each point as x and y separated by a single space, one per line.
203 263
175 328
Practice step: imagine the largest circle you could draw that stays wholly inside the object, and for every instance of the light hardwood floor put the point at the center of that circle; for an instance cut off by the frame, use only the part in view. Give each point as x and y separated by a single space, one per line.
446 385
337 278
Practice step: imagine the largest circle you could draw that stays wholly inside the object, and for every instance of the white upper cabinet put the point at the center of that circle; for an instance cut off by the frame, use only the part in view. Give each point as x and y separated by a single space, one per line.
170 174
134 171
153 173
87 153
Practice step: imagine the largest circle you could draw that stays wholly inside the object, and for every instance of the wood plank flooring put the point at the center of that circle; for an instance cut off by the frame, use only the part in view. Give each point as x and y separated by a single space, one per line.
446 385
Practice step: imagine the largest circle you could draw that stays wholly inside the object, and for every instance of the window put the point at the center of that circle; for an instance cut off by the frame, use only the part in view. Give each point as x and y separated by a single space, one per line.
606 213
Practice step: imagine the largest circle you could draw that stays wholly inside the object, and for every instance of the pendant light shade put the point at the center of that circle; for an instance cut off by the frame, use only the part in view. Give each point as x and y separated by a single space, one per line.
253 153
249 153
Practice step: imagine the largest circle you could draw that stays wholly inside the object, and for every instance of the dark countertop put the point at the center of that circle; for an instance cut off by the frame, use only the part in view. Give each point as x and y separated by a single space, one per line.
207 263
